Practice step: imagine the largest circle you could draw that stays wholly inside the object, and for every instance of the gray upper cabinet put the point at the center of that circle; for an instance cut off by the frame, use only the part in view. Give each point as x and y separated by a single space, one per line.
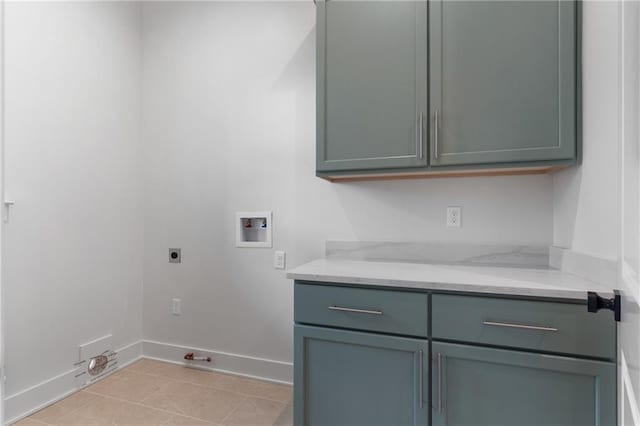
372 84
447 87
503 81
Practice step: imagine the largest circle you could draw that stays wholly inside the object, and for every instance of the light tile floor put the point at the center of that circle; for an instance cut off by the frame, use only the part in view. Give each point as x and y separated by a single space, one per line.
156 393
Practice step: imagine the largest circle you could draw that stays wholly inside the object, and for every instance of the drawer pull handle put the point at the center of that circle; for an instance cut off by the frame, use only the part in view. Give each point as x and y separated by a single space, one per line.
420 136
439 383
421 380
526 327
356 311
436 129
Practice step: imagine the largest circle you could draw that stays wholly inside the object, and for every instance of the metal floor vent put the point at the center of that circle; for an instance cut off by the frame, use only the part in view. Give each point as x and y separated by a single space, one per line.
96 367
96 359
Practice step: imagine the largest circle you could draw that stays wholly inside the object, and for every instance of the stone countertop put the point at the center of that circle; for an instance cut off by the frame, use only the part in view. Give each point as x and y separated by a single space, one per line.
544 283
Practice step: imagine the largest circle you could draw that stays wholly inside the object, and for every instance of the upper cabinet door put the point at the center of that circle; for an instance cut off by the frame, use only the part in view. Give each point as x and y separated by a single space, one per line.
372 84
503 81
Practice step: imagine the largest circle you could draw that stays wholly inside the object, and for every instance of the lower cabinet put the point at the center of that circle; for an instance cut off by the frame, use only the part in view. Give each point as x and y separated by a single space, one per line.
347 378
366 357
480 386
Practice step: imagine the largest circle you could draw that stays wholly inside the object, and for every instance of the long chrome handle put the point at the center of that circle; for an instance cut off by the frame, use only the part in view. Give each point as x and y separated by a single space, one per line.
436 139
354 310
522 326
439 383
421 380
420 141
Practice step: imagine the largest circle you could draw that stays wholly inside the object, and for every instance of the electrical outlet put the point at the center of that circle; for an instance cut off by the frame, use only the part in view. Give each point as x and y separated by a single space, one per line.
177 307
175 255
454 217
279 259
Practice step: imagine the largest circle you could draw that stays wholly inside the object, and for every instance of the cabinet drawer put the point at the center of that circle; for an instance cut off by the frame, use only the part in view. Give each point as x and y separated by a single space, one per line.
384 311
545 326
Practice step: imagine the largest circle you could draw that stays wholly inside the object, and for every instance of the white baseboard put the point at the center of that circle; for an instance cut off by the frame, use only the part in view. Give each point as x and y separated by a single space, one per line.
265 369
30 400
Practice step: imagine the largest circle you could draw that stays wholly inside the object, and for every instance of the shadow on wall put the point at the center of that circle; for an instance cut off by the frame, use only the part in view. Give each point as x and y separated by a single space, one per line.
300 72
566 199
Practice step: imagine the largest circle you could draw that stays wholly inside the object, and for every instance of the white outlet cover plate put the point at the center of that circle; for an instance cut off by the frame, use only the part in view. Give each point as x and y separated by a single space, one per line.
279 259
454 217
176 307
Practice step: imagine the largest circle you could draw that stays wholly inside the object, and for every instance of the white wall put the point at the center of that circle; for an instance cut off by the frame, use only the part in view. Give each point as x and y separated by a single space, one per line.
586 198
73 247
229 125
629 272
2 322
228 102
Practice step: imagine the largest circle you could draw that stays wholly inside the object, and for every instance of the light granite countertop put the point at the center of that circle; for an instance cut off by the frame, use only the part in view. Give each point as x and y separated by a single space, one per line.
530 282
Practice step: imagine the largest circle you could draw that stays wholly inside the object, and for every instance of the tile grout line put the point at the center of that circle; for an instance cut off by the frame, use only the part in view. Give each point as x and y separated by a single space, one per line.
220 387
244 396
216 387
245 400
73 410
152 408
284 407
225 418
181 413
40 422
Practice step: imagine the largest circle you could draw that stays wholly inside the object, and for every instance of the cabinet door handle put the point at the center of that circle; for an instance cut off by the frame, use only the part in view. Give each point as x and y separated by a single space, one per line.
355 311
436 130
419 139
521 326
421 391
439 383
